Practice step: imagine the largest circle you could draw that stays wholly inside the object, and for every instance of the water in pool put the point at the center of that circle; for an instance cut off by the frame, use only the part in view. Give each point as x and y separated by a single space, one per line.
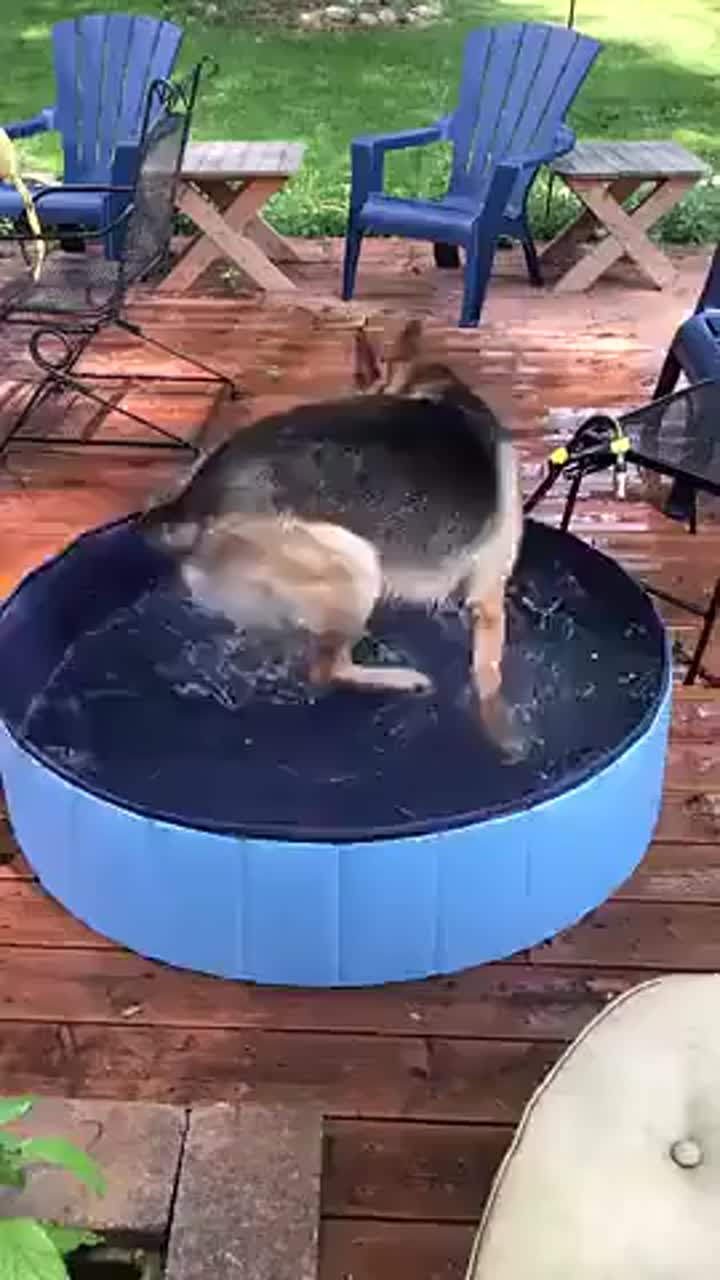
165 709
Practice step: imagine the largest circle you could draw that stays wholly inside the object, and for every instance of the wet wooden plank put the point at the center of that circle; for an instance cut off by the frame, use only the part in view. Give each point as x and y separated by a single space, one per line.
110 986
693 766
30 918
393 1250
647 935
676 873
695 715
432 1172
344 1075
692 816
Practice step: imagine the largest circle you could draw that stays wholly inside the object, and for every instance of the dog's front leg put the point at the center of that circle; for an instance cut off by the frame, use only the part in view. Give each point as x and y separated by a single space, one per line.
487 614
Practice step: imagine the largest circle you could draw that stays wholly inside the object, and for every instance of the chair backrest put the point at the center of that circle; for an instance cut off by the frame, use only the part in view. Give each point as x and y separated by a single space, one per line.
518 81
168 115
104 66
710 295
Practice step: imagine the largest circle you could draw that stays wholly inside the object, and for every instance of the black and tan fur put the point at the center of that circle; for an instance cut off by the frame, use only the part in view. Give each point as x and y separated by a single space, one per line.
309 517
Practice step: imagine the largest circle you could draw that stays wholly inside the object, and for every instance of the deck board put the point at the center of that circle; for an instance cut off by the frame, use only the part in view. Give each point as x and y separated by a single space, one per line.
421 1082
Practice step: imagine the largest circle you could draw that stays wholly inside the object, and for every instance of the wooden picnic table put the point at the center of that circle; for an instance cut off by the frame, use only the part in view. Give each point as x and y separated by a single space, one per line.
604 175
223 188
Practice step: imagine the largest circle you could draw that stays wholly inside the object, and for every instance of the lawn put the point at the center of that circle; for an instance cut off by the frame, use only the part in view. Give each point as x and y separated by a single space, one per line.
657 77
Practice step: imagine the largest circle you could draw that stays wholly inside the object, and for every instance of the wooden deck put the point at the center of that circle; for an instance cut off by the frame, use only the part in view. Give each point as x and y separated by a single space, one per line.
421 1083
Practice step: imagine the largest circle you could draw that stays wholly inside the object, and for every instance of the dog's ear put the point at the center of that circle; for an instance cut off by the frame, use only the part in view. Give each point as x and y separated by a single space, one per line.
407 347
403 357
367 372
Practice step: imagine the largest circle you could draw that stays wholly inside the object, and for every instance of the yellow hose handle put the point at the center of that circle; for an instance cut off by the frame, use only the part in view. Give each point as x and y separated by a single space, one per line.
10 172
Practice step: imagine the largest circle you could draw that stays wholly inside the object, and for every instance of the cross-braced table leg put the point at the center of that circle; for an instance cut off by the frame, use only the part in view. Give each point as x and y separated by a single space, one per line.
627 229
232 228
562 251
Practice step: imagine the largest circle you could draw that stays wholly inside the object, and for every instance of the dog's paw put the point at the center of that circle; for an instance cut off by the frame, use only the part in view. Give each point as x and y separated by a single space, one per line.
402 679
417 682
506 731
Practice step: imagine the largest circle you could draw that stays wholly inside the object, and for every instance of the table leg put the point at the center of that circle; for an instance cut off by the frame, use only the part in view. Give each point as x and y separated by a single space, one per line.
277 248
265 237
627 234
224 233
562 252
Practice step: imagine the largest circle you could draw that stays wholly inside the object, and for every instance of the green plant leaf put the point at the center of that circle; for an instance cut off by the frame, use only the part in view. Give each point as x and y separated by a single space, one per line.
11 1172
60 1152
14 1108
68 1239
27 1252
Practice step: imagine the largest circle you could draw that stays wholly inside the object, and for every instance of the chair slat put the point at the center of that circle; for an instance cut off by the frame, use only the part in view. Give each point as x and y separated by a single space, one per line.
65 61
90 90
104 65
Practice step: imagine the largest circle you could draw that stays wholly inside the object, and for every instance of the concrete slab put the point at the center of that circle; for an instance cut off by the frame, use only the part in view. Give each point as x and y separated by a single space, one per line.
136 1145
248 1200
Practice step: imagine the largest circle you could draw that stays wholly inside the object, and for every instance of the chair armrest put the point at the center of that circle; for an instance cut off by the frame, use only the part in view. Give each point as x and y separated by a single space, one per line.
563 142
43 122
79 188
367 155
405 137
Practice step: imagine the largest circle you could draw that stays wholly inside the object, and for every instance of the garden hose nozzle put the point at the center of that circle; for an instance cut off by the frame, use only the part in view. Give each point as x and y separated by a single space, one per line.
619 446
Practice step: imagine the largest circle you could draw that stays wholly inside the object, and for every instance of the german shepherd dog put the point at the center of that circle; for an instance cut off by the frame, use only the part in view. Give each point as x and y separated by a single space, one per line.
308 518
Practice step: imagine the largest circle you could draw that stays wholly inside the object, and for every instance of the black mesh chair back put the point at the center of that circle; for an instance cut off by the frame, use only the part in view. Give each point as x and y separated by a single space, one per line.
146 241
680 434
138 230
79 293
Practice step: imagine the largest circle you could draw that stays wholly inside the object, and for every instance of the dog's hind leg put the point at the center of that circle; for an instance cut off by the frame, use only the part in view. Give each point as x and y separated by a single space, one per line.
334 665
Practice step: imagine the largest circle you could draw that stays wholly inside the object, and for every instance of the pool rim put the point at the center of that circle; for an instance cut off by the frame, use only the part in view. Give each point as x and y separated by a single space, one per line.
333 836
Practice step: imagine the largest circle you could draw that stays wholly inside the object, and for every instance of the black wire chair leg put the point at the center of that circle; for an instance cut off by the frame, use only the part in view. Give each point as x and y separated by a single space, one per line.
570 501
704 637
38 394
65 382
211 375
539 493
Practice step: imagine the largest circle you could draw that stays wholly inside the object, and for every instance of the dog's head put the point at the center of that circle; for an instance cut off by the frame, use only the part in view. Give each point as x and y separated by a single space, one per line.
404 370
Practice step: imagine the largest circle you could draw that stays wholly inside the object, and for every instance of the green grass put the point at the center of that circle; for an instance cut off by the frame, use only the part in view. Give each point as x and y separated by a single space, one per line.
656 77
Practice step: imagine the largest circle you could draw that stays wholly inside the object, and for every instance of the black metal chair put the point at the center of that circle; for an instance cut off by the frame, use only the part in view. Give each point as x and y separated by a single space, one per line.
695 351
675 436
78 294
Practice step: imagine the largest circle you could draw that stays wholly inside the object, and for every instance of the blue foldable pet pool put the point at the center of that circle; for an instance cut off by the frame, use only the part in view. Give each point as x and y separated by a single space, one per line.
179 788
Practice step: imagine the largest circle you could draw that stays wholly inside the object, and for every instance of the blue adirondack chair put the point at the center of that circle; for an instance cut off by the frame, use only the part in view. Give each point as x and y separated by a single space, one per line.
104 66
695 351
518 81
